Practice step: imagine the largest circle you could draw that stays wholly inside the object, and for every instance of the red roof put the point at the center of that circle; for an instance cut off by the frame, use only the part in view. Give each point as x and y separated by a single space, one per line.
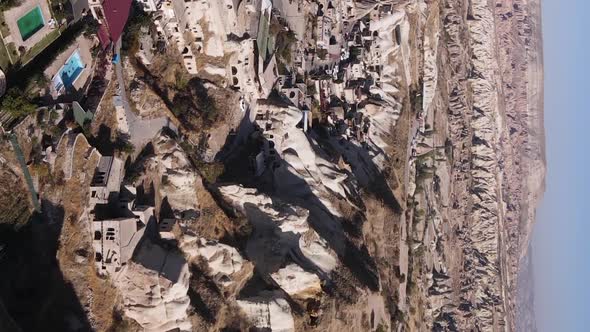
103 36
116 13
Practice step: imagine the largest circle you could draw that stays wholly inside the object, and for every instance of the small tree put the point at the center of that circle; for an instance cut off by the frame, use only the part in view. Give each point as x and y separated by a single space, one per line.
61 9
123 144
322 53
181 80
91 27
210 171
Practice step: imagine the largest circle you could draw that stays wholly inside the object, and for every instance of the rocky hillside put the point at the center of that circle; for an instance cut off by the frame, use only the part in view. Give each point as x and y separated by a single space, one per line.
332 166
482 193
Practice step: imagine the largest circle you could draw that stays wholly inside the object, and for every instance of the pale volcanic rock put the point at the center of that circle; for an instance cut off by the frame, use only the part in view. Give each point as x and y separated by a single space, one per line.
176 176
268 311
154 289
288 218
286 228
303 169
445 108
297 282
317 251
213 70
224 262
222 259
431 39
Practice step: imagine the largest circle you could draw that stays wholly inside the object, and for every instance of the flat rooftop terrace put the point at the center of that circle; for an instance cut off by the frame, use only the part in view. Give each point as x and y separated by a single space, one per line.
102 172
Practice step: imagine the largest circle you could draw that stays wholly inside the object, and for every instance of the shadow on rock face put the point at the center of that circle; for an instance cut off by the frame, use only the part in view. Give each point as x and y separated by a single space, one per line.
33 289
279 181
329 227
292 189
205 296
366 172
270 248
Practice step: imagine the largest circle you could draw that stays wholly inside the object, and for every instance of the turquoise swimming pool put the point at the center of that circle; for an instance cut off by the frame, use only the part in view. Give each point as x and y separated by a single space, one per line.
69 72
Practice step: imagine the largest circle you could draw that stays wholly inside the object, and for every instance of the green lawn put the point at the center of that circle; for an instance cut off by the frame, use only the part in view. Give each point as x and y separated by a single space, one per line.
13 52
3 26
40 46
4 59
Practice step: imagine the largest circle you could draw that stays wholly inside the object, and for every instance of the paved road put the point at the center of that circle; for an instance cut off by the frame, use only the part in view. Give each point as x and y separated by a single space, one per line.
141 131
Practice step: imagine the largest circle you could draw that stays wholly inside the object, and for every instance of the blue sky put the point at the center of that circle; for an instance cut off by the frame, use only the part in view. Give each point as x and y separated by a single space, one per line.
561 243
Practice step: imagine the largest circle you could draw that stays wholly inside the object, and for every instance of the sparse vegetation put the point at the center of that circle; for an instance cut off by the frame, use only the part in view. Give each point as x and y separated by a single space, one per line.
210 171
449 149
424 172
121 323
181 79
418 215
311 90
399 317
416 97
206 104
14 199
181 106
4 57
41 170
138 19
285 39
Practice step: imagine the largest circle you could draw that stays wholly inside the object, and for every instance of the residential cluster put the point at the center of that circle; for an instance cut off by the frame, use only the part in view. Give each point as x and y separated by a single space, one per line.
325 59
120 214
338 80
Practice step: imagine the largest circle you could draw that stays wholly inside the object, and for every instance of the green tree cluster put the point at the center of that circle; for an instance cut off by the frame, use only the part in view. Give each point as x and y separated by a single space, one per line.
16 104
7 4
123 144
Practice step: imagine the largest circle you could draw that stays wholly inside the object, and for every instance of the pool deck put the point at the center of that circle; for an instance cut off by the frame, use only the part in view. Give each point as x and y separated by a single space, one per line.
13 15
83 45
